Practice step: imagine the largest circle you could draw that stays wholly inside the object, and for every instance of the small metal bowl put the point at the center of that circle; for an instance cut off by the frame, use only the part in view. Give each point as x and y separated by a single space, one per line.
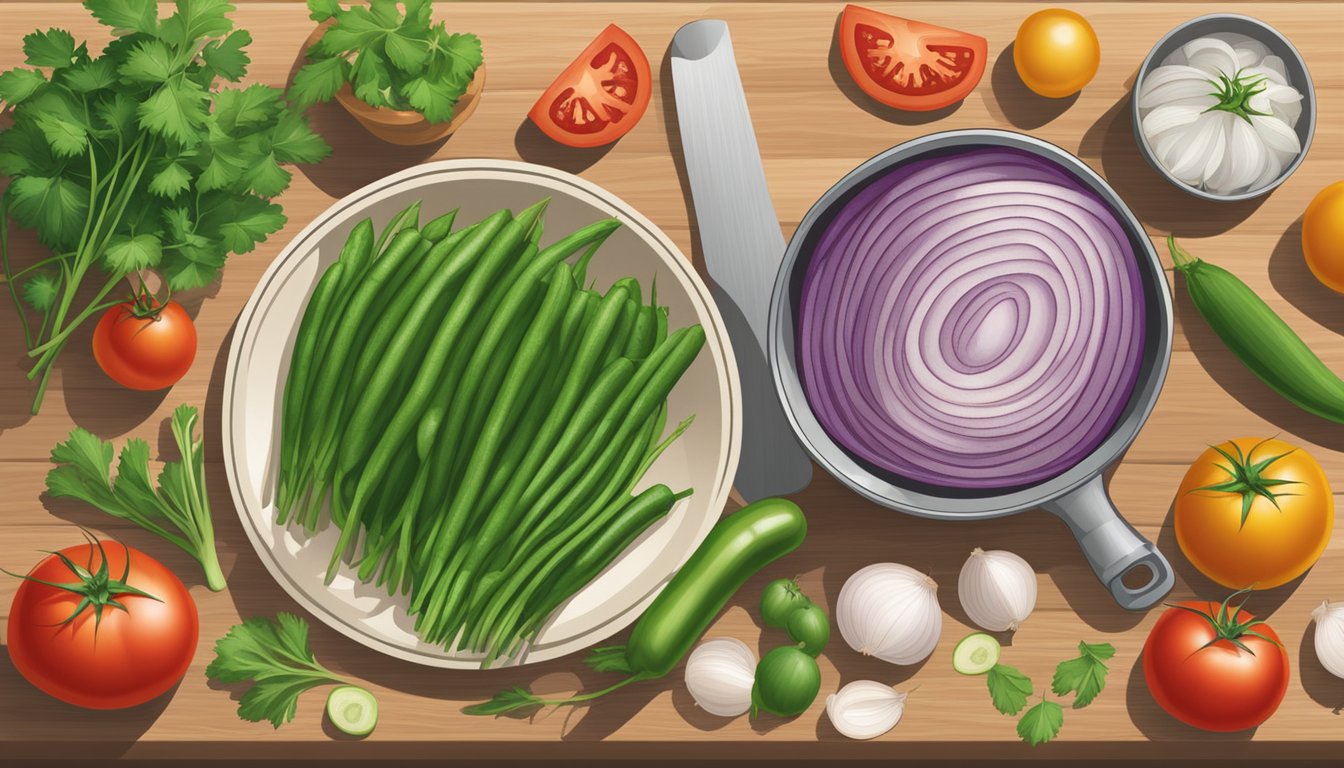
1233 23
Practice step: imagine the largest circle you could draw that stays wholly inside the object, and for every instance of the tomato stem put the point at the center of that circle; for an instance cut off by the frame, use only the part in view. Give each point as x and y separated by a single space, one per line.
96 589
1227 627
1246 478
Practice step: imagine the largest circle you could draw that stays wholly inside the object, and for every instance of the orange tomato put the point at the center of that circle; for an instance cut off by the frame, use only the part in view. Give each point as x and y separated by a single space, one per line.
1056 52
1323 236
1227 521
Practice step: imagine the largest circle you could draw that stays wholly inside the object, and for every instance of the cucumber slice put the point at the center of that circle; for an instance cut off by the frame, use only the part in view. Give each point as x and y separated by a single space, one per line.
976 654
352 710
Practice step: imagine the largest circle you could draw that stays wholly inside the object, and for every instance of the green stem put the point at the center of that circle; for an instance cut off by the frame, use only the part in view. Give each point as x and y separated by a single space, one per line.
42 385
9 278
1179 256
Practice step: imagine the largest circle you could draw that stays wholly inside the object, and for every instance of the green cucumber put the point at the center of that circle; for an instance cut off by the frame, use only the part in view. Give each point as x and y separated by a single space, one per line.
352 710
976 654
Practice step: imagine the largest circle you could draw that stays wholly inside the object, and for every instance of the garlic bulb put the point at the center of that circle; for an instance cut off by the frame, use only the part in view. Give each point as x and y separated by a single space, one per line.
890 611
1219 114
1330 637
719 675
865 709
997 589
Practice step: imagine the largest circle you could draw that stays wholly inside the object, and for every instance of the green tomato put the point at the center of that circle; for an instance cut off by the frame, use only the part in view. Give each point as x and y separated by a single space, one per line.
787 682
779 600
810 627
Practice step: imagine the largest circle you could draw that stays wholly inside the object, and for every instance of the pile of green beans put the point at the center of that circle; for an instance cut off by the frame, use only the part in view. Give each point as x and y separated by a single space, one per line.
475 421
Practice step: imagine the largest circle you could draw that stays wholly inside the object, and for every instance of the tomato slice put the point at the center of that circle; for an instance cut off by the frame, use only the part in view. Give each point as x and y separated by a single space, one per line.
600 96
909 64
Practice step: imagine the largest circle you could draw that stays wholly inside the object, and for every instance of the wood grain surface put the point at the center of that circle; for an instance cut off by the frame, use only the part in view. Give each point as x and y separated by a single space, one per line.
813 126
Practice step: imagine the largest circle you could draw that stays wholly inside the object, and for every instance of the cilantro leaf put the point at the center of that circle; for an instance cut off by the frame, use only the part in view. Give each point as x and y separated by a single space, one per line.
242 222
227 56
126 16
254 105
319 81
171 181
266 178
24 150
462 50
54 48
131 254
55 206
276 657
1084 676
66 138
293 141
1008 688
372 79
435 99
18 84
149 62
196 263
40 291
90 76
196 19
406 49
176 111
355 28
117 114
321 10
1041 723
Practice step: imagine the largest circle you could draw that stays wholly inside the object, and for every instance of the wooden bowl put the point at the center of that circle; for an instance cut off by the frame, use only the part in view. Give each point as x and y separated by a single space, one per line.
408 127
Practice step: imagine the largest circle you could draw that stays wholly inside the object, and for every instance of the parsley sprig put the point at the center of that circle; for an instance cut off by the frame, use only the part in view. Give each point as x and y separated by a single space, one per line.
1084 677
275 656
390 59
138 158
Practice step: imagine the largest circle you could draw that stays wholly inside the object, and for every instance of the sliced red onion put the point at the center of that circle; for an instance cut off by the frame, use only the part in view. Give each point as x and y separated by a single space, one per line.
972 321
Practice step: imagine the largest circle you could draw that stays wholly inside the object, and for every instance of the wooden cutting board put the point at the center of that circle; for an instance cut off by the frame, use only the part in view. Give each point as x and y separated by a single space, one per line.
814 125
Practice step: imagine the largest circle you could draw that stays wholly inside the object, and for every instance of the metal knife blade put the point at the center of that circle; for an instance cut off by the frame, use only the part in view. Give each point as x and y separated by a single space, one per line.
741 241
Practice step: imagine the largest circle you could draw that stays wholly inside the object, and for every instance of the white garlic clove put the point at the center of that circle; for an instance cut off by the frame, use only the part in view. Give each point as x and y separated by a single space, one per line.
719 676
1329 637
997 589
865 709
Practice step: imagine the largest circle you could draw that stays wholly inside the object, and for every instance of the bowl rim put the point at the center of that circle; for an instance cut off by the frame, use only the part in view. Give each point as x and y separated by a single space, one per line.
910 498
663 247
1307 89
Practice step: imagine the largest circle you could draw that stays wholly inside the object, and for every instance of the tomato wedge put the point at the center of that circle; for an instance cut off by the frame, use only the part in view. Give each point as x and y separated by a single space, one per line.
908 64
600 96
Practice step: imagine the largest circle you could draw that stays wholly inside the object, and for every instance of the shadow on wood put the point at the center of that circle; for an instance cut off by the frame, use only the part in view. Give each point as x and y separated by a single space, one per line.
26 710
1324 688
1156 202
1014 102
536 147
1292 278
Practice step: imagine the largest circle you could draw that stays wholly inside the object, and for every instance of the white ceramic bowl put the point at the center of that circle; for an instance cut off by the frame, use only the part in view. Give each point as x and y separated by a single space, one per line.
705 458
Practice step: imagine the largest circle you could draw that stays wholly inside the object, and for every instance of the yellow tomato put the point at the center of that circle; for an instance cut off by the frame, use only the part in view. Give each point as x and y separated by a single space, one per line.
1323 236
1056 52
1261 545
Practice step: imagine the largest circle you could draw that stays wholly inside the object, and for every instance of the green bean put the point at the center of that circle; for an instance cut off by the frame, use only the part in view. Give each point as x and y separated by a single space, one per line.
563 549
390 322
521 375
407 218
614 537
623 328
538 463
413 333
296 382
439 228
417 398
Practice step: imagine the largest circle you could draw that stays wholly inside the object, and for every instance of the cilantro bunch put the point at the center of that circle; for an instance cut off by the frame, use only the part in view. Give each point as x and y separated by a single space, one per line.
138 158
390 59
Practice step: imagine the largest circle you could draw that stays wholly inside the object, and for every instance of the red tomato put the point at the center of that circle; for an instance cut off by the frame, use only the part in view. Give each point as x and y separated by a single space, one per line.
145 353
600 96
128 658
1206 680
909 64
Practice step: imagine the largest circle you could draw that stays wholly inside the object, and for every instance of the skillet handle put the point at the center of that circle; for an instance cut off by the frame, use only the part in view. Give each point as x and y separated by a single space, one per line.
1112 547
